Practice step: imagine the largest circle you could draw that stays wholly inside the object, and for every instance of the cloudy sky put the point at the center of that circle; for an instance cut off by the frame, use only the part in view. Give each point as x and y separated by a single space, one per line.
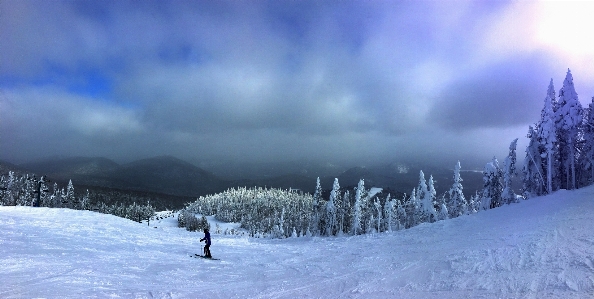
358 81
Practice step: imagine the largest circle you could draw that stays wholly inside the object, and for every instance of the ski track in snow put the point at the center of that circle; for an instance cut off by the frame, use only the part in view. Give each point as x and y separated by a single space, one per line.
539 248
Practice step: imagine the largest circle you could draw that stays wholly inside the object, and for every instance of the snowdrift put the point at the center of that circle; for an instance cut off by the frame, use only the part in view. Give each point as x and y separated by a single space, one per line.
539 248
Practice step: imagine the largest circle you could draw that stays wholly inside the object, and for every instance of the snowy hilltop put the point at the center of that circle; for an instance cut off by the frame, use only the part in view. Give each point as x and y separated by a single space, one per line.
538 248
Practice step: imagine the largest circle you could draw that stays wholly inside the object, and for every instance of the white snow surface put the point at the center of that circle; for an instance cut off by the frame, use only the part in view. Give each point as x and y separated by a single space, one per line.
374 190
539 248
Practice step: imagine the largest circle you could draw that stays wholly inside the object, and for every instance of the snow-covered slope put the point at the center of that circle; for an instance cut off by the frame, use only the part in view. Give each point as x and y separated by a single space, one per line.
540 248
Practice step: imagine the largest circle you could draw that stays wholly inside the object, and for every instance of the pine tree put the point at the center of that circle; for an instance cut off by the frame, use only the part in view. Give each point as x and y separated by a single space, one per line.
366 210
315 209
492 187
338 205
401 214
568 118
280 227
2 189
589 141
457 203
508 195
474 204
422 195
379 213
43 193
414 209
532 174
11 190
547 135
357 213
85 203
26 197
344 213
55 200
430 203
390 216
330 216
443 209
70 200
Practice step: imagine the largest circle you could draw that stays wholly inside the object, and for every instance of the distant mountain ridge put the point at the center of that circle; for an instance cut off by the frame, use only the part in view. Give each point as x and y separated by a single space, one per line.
164 174
69 166
173 176
168 175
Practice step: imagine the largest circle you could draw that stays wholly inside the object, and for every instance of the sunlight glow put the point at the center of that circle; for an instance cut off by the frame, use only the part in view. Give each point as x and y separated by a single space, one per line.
565 26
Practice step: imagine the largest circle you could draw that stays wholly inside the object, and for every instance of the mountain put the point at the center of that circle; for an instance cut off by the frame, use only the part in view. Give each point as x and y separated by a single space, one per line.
166 175
93 171
172 176
72 166
240 170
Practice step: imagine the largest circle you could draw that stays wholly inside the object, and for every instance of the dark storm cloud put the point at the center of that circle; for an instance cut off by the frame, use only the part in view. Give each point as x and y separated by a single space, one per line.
265 80
500 96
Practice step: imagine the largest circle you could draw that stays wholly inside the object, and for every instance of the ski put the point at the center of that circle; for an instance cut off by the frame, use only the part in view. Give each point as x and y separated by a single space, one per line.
202 256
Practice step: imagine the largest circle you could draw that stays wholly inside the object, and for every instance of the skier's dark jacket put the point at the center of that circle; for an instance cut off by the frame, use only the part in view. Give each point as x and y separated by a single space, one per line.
206 237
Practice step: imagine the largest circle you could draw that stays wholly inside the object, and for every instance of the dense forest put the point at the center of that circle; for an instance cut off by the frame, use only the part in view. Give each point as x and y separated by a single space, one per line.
26 190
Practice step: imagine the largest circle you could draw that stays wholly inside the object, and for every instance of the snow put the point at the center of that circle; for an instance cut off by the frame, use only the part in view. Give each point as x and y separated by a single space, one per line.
539 248
374 190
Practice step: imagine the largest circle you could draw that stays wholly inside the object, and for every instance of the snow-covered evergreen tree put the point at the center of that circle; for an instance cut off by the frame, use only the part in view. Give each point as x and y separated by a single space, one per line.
379 213
474 204
330 214
401 212
547 136
357 212
532 174
426 210
508 195
314 225
492 187
344 213
25 197
413 209
431 200
11 192
2 189
390 214
42 192
443 213
85 202
70 200
568 119
589 141
421 194
457 203
280 227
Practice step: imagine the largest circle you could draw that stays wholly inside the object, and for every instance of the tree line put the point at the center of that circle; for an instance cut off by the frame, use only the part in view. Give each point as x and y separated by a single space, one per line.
278 213
560 154
28 190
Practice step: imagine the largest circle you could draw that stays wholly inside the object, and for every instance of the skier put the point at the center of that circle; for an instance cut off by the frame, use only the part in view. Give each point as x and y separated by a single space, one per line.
207 245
